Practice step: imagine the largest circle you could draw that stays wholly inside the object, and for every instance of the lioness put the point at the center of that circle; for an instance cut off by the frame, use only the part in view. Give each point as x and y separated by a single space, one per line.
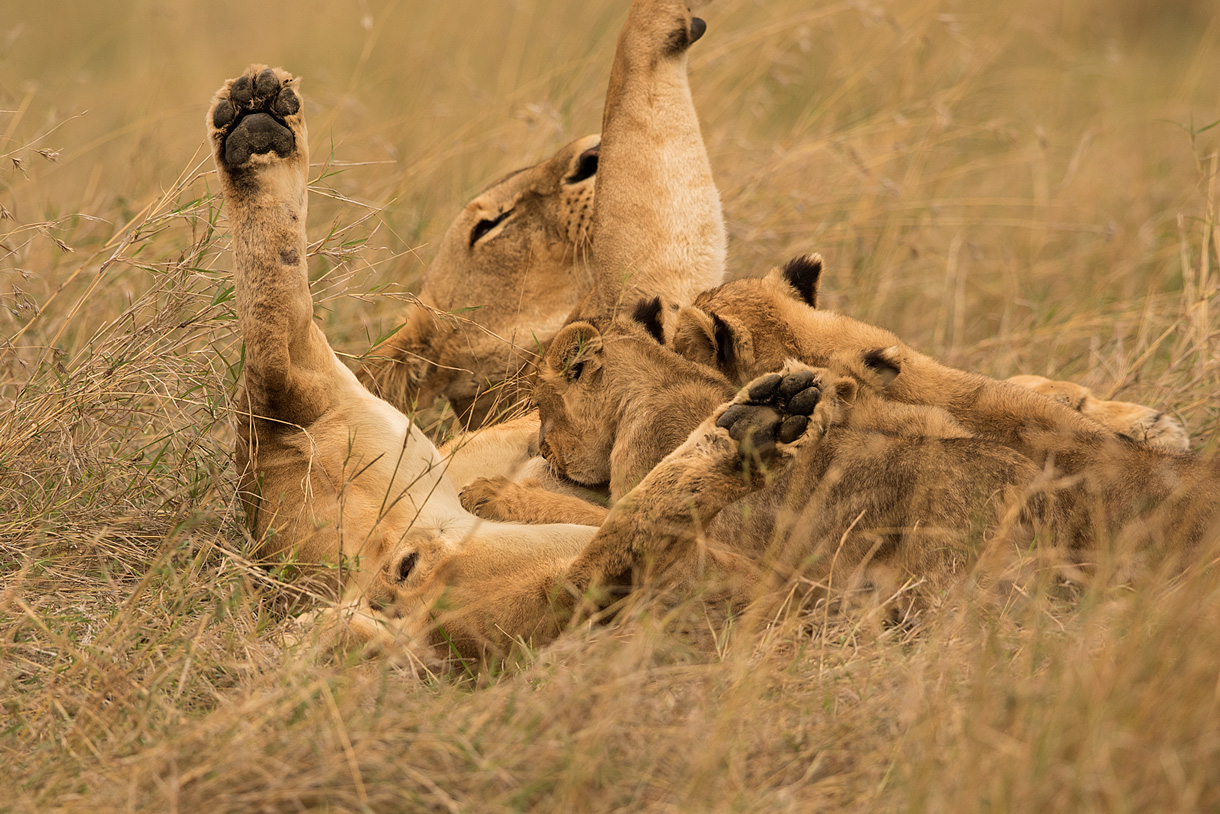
335 476
539 245
513 263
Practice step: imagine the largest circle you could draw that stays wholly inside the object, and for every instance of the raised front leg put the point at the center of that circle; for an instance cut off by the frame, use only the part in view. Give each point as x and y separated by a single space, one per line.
658 228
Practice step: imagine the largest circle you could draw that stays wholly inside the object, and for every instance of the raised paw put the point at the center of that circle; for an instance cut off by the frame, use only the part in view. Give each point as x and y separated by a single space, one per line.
778 410
664 26
255 114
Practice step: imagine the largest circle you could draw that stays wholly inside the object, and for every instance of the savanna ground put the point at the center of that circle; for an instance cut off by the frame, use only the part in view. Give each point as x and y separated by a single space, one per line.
1026 186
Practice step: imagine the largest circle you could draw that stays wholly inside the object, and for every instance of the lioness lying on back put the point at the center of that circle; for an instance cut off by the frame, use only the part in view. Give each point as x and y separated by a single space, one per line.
336 481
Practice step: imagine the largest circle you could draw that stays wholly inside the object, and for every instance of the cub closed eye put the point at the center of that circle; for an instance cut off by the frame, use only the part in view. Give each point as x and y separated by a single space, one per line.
486 225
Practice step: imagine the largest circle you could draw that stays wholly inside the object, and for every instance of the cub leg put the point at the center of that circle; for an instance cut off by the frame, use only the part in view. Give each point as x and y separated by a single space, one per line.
527 501
658 228
1135 421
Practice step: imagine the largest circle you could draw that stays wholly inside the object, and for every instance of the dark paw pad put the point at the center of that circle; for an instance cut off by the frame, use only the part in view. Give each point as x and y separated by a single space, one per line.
775 410
255 134
252 119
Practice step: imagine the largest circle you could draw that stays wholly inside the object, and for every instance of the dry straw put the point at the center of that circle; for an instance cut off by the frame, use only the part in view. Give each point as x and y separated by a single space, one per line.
1026 187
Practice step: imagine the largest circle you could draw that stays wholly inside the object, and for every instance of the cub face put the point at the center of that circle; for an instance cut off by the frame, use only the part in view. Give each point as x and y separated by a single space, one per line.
745 328
575 406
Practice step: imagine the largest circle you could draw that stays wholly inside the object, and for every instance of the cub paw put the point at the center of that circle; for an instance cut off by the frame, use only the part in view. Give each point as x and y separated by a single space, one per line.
776 412
481 497
255 114
1135 421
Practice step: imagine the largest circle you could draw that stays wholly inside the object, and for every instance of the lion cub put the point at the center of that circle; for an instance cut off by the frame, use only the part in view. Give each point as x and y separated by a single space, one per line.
1141 492
893 492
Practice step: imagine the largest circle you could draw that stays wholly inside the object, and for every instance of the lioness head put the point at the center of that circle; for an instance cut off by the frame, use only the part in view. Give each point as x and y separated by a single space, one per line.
434 593
509 270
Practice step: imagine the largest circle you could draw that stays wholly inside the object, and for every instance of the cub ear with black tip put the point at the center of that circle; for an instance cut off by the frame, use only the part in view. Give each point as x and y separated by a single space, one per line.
694 336
804 273
697 29
885 362
847 389
648 313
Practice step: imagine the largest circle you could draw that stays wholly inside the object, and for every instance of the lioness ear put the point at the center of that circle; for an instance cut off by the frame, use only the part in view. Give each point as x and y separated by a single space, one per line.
803 273
885 362
648 313
575 351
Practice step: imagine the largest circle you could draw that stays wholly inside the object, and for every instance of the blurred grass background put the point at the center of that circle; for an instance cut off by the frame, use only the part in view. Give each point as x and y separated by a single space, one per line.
1028 186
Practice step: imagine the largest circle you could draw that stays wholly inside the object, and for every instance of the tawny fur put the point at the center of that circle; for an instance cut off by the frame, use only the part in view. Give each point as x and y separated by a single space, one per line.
334 477
1110 484
494 292
657 226
1135 421
654 227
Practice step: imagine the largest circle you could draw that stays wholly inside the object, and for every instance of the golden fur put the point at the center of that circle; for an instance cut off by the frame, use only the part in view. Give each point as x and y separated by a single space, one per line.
336 480
509 270
655 173
539 245
1135 421
1139 491
333 477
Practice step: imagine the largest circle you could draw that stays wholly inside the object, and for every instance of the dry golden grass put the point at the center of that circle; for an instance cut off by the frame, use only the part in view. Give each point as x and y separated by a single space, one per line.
1027 186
